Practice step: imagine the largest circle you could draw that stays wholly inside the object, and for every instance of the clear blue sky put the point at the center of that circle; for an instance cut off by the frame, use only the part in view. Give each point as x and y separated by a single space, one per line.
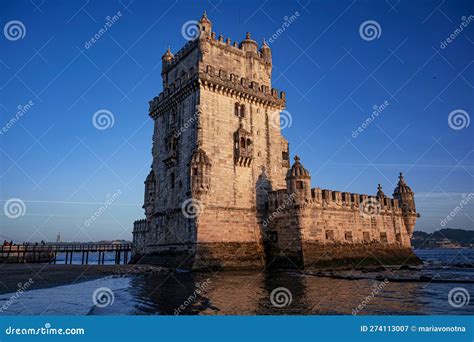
63 168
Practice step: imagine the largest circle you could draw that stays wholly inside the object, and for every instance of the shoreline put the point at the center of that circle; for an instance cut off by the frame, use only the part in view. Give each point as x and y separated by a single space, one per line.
12 276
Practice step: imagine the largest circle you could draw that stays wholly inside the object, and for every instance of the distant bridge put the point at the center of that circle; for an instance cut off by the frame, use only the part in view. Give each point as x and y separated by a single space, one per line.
49 252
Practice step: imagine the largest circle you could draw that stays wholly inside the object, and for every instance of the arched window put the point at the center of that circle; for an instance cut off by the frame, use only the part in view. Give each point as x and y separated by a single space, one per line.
237 109
242 142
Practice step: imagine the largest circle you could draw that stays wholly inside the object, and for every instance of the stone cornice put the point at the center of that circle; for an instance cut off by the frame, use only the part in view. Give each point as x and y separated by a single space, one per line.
219 81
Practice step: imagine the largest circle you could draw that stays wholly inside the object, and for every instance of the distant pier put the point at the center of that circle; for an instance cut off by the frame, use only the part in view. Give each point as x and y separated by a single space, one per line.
48 253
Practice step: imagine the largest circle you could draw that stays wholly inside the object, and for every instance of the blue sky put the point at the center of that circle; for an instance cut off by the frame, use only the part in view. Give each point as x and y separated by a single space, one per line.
63 168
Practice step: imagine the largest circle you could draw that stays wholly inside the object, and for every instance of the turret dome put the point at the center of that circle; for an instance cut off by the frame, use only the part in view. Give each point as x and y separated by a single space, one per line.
200 157
167 56
297 170
402 186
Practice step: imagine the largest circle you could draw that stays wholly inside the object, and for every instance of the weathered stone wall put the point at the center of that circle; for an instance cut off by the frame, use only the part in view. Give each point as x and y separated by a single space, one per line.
234 185
235 60
353 255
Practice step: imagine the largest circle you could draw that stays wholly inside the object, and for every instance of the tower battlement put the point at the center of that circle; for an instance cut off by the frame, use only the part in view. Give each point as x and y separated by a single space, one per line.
209 76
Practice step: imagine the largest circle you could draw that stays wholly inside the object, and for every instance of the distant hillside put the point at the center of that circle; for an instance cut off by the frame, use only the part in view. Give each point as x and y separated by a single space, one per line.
444 238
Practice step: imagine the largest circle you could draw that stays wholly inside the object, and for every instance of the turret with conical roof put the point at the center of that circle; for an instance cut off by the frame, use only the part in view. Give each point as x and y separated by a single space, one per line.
166 60
404 194
205 25
249 45
298 181
167 56
406 201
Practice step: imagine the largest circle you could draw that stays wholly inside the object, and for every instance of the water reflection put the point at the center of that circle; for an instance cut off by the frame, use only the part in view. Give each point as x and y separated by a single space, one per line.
248 293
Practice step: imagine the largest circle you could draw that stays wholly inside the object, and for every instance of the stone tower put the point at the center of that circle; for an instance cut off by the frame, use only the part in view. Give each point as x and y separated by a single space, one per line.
221 192
216 135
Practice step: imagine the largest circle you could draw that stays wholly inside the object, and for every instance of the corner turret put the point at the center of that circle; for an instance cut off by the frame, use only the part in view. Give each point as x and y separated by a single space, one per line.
298 181
166 60
405 196
205 26
167 57
249 45
406 201
150 195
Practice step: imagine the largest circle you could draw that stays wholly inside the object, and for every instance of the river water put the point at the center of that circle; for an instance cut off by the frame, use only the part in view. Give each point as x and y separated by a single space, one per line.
264 293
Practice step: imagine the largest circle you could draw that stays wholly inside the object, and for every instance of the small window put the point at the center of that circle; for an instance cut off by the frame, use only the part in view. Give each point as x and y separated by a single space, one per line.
383 237
195 171
330 235
366 236
299 185
239 110
242 111
398 237
242 142
348 236
284 155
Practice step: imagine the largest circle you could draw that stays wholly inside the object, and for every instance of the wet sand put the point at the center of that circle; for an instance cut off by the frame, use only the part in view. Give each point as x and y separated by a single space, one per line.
12 276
